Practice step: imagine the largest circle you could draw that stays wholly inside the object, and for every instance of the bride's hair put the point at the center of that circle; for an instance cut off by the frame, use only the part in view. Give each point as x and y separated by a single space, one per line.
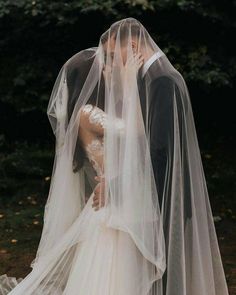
79 153
77 76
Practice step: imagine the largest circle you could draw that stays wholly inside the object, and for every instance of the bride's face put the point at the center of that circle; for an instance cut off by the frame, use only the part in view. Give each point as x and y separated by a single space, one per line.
110 47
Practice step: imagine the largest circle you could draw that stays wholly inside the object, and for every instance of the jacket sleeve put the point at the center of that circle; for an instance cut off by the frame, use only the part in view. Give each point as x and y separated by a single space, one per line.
161 128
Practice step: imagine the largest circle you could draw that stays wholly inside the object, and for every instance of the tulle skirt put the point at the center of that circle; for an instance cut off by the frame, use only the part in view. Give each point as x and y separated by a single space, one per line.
106 262
102 265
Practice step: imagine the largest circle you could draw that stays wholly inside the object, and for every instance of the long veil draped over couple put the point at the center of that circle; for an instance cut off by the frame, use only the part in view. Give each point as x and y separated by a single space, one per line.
122 112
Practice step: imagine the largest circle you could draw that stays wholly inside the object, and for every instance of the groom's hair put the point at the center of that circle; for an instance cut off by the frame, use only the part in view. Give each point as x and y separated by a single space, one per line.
136 29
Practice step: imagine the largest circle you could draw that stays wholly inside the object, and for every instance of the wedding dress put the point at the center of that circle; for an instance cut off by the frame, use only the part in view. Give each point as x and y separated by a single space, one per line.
101 261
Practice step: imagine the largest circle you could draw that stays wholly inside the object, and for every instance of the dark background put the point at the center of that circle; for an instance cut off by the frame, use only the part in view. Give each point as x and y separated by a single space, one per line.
37 37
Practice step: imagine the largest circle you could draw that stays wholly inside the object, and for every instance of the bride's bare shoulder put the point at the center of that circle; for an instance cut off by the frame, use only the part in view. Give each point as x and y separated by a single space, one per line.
92 118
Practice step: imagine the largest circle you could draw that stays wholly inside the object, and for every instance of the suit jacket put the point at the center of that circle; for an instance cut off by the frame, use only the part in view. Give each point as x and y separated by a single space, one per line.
162 93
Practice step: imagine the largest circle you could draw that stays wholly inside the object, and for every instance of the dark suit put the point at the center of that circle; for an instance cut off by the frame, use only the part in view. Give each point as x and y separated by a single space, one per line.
160 91
163 92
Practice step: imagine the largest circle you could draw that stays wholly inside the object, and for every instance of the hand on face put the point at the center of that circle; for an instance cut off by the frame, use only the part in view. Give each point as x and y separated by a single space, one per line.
136 61
107 72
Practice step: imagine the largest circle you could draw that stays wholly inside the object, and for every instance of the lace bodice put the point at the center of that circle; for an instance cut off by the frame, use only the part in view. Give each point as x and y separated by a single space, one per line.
95 149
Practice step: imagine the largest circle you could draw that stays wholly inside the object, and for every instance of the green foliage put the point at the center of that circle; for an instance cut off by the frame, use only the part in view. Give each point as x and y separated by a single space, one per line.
194 34
38 36
23 169
31 161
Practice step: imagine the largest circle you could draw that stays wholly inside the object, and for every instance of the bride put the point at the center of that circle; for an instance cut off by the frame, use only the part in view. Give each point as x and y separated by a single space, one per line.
128 210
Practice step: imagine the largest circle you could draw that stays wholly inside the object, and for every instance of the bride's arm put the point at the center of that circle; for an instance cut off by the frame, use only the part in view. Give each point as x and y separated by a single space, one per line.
94 119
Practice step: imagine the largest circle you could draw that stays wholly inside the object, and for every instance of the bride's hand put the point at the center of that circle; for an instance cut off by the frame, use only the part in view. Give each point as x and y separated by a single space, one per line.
99 195
107 72
135 61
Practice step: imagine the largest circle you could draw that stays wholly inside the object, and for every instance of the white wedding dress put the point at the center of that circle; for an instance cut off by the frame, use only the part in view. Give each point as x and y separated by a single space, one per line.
101 264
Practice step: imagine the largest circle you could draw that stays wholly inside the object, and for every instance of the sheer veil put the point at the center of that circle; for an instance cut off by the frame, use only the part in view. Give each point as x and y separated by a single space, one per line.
155 188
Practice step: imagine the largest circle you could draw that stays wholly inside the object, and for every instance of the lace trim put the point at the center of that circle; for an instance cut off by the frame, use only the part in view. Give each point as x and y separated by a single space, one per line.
97 116
95 147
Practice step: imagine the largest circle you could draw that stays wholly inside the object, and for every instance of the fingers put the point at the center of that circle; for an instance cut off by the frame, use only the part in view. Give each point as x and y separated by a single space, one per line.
107 71
97 205
139 59
99 178
136 60
95 197
98 198
98 201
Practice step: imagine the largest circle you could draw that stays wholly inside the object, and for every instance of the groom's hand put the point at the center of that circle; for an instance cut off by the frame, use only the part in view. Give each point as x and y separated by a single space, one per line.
99 196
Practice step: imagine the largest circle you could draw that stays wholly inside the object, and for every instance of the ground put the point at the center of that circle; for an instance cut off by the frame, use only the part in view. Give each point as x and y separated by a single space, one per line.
21 228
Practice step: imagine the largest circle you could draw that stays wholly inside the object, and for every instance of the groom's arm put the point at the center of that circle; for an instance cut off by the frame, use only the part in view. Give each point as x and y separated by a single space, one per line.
161 128
164 93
